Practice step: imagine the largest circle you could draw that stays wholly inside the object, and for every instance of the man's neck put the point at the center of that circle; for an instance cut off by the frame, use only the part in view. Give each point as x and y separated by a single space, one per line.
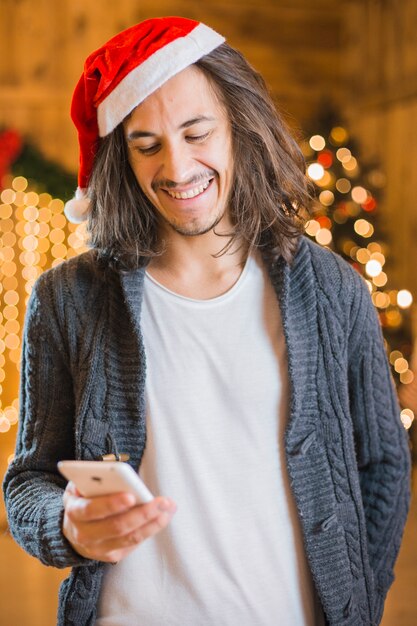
189 265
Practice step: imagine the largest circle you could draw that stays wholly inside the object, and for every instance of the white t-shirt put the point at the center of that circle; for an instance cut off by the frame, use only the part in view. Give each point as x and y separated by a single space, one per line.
217 407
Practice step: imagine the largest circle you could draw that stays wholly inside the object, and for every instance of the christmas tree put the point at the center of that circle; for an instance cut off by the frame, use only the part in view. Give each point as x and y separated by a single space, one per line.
344 217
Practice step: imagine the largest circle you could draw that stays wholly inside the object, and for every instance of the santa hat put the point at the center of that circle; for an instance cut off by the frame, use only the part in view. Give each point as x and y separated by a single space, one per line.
120 75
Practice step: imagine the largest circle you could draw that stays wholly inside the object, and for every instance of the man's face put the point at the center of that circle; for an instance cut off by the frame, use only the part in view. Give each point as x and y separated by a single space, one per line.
180 149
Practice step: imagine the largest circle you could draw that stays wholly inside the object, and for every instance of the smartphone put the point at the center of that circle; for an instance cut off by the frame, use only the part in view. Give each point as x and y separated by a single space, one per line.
99 478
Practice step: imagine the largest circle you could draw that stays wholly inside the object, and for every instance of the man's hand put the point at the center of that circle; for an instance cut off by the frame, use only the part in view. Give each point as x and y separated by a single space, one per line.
108 528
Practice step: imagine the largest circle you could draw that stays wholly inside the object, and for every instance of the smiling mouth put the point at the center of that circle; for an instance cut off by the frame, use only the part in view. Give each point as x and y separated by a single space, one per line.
190 193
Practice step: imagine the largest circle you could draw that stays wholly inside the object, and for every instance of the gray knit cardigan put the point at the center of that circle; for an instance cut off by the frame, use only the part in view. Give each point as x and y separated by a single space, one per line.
82 395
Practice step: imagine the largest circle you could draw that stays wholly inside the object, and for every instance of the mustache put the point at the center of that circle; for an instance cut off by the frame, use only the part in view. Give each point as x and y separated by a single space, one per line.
194 180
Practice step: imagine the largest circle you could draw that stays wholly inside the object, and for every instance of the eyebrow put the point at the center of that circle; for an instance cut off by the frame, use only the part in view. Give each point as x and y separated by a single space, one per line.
137 134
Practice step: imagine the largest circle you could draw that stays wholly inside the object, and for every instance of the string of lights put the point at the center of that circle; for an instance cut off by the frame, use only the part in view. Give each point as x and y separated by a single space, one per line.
34 235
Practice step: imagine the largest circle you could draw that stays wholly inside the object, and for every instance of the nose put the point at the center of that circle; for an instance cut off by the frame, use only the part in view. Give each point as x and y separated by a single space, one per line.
178 165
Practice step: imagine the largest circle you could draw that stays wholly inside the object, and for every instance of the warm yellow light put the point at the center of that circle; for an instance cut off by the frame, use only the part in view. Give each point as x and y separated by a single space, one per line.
406 377
57 235
373 246
378 256
12 342
44 214
395 354
43 245
326 180
363 228
326 197
10 458
404 299
12 327
4 424
29 286
315 171
373 268
59 251
317 142
19 200
31 213
43 230
11 297
75 242
350 165
20 230
14 356
339 135
380 280
9 239
11 413
19 183
9 284
30 243
7 254
363 255
400 365
324 236
30 272
8 196
9 268
44 199
381 300
56 205
30 257
359 194
58 221
407 418
5 211
393 296
312 227
31 228
6 225
343 185
31 198
343 154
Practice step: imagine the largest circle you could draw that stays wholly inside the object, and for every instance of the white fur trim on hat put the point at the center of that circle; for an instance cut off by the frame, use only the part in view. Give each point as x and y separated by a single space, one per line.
77 209
153 73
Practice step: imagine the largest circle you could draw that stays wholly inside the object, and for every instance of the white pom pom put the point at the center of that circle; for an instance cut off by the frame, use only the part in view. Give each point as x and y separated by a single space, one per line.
77 209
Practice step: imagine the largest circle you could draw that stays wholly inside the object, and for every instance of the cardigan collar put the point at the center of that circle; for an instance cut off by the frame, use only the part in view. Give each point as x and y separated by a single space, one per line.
295 287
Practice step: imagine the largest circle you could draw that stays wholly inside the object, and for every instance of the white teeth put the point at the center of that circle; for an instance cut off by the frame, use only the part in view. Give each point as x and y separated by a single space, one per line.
191 193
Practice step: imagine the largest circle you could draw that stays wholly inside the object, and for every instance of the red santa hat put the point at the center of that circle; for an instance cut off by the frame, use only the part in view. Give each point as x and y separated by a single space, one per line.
120 75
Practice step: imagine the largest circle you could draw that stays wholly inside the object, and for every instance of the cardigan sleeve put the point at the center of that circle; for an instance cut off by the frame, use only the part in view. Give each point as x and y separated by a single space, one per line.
381 446
33 487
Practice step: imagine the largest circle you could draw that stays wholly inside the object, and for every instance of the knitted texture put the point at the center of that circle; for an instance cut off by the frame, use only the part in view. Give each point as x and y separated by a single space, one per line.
82 395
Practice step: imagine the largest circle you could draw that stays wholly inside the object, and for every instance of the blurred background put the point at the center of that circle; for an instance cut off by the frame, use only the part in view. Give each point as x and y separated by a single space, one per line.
344 74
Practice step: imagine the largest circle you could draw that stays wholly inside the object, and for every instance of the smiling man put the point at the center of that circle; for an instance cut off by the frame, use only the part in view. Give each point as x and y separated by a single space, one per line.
240 366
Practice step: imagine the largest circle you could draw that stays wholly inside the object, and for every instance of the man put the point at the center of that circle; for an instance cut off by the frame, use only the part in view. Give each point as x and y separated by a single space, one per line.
267 414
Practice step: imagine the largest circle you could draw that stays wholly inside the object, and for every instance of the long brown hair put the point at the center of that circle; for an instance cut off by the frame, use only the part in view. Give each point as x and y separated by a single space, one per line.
270 190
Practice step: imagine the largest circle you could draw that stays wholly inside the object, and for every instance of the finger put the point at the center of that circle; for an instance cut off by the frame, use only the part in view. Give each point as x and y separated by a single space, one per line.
113 550
81 509
119 525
